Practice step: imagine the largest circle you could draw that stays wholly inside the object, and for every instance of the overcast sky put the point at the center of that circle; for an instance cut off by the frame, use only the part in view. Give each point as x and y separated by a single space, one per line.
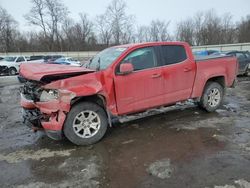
144 10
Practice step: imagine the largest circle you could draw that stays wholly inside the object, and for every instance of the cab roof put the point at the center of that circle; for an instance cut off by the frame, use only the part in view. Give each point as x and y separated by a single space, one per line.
150 44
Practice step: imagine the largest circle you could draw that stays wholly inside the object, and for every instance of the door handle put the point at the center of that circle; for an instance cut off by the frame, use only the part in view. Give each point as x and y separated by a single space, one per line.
187 69
156 75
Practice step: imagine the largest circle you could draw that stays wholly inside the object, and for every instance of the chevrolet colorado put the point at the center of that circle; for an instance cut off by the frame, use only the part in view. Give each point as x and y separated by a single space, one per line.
80 102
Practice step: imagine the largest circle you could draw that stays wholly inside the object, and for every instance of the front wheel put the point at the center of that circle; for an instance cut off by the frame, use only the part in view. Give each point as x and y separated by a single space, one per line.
212 96
86 123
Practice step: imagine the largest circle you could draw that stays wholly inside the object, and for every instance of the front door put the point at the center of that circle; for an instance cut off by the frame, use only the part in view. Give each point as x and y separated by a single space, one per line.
143 88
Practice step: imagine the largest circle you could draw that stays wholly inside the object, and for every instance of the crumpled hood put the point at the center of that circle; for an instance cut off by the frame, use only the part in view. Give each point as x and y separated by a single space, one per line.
50 72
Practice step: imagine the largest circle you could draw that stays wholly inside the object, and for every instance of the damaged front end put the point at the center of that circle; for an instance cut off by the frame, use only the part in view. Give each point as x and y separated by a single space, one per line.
45 109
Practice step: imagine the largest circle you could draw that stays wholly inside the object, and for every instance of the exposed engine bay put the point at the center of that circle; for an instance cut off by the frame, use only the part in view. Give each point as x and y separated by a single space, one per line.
31 90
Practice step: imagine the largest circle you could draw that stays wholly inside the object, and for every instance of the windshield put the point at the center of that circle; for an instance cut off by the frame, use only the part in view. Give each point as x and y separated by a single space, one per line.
60 60
105 58
10 59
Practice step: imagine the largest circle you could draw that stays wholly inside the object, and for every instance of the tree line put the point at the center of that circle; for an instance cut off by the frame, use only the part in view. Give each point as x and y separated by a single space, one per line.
54 30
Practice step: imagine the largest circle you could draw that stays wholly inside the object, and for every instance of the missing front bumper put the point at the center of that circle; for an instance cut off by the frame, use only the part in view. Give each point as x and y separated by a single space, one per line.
31 118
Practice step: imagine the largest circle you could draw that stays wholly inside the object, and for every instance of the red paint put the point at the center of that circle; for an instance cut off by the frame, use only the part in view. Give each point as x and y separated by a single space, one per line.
36 71
55 122
28 104
126 68
128 93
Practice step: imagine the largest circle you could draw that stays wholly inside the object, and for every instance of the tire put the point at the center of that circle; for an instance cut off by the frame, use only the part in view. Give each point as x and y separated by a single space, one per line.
246 73
12 71
86 124
212 96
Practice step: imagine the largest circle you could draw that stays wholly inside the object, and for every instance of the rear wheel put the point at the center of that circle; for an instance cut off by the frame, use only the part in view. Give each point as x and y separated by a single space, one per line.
86 123
212 96
12 71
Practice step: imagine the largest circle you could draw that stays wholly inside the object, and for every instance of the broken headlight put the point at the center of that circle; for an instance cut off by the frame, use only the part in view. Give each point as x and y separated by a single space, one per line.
48 95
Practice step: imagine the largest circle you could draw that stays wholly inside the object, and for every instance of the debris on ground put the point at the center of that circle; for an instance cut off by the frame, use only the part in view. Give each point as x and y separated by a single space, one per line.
128 142
161 169
239 184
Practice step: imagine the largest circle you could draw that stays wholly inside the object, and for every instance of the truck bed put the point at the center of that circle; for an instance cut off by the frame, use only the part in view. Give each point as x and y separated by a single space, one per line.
214 66
209 57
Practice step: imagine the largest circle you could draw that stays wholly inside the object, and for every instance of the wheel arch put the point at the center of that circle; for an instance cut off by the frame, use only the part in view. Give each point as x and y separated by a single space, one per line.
97 99
219 79
198 91
12 67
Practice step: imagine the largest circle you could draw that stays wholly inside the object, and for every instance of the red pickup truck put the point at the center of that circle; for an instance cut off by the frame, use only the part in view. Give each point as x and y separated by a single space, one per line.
80 102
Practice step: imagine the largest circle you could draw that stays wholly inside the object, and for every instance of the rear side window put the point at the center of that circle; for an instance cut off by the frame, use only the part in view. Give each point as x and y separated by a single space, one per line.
173 54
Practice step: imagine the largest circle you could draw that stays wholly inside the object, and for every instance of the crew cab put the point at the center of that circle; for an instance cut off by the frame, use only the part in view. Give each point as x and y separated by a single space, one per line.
80 102
10 65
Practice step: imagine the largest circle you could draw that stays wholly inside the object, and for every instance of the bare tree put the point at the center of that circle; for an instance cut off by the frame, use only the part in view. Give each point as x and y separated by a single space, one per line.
68 41
198 22
207 28
59 32
128 32
159 30
119 20
7 31
243 28
57 11
116 14
104 29
185 31
48 15
143 34
78 35
86 27
228 33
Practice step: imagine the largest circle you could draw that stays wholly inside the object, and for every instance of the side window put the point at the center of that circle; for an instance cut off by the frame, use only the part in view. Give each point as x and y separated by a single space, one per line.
173 54
142 58
20 59
240 55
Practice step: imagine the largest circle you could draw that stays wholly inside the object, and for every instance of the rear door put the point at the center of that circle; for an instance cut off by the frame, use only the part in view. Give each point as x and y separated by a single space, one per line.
178 73
143 88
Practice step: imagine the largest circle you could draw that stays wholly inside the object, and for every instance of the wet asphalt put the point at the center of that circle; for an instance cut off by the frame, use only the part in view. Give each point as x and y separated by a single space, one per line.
182 148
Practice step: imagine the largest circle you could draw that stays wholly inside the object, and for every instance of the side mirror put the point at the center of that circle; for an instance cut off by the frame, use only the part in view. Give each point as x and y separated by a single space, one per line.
126 68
